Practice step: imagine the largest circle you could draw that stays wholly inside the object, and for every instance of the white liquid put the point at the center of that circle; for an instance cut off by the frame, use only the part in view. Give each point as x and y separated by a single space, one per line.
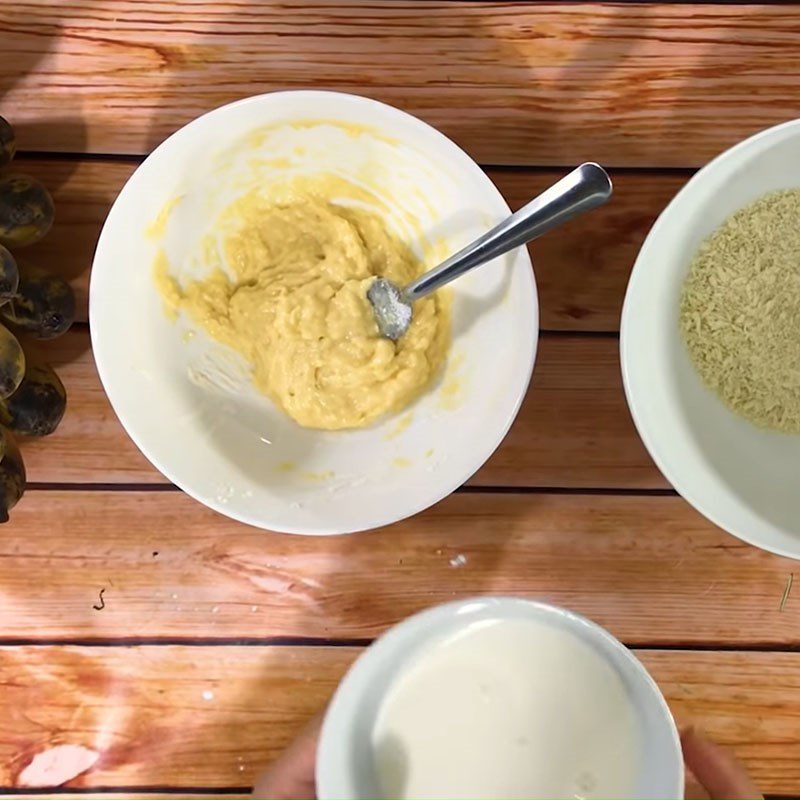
507 708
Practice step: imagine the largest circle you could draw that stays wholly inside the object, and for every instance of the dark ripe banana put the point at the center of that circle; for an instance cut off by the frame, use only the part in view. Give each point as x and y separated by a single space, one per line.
12 477
9 275
8 142
12 363
38 405
44 305
26 210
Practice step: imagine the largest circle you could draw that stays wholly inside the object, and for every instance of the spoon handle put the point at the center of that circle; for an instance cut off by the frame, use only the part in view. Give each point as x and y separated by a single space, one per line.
583 189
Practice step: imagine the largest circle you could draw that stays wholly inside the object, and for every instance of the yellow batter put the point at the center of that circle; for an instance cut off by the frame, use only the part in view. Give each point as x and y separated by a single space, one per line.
296 308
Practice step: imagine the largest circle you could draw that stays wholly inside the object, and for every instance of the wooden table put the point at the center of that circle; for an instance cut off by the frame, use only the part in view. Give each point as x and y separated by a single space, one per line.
213 642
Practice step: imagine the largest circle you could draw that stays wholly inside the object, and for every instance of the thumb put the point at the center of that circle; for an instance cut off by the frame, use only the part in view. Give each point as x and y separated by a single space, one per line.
292 775
720 774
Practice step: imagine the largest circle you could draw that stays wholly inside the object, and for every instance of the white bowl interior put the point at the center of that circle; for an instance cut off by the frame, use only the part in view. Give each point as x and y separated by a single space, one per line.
187 402
345 771
743 478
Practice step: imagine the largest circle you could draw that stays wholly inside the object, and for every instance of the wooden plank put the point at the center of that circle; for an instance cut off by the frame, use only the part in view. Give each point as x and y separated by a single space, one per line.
573 430
749 702
515 83
581 270
648 568
90 445
213 716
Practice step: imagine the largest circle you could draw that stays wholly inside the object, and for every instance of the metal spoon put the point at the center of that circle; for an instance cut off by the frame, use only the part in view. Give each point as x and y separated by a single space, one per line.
583 189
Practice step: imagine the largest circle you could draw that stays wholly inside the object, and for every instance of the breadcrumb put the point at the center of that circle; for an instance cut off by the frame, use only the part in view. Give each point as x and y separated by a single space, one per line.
740 311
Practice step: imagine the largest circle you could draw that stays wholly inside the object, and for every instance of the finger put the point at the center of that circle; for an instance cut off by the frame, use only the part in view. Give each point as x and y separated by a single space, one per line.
293 773
694 791
716 769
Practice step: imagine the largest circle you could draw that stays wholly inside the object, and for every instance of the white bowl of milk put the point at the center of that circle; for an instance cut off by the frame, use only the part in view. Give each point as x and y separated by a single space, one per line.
498 698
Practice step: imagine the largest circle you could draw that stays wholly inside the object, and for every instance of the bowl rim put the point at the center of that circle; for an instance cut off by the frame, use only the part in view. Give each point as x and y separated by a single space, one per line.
656 450
426 499
422 627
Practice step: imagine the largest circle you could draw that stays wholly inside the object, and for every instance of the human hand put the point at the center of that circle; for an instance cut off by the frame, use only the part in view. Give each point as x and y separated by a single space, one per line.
292 776
713 772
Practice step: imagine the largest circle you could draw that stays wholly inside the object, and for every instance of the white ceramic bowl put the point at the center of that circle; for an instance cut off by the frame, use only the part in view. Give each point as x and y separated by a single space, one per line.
188 404
742 478
344 767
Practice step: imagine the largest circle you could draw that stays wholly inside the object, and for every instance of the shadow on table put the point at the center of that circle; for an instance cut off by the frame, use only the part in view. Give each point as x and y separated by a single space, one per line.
37 40
34 39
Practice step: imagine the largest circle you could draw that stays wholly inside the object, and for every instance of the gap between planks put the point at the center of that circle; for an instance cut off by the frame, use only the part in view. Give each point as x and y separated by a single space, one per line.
534 169
312 642
571 491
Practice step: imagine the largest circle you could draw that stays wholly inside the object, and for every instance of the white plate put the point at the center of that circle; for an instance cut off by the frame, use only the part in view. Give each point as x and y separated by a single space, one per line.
743 478
188 405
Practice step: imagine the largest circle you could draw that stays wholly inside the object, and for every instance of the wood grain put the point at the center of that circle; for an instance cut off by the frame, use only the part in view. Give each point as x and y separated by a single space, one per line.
145 710
573 430
650 569
213 716
514 83
90 445
581 270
